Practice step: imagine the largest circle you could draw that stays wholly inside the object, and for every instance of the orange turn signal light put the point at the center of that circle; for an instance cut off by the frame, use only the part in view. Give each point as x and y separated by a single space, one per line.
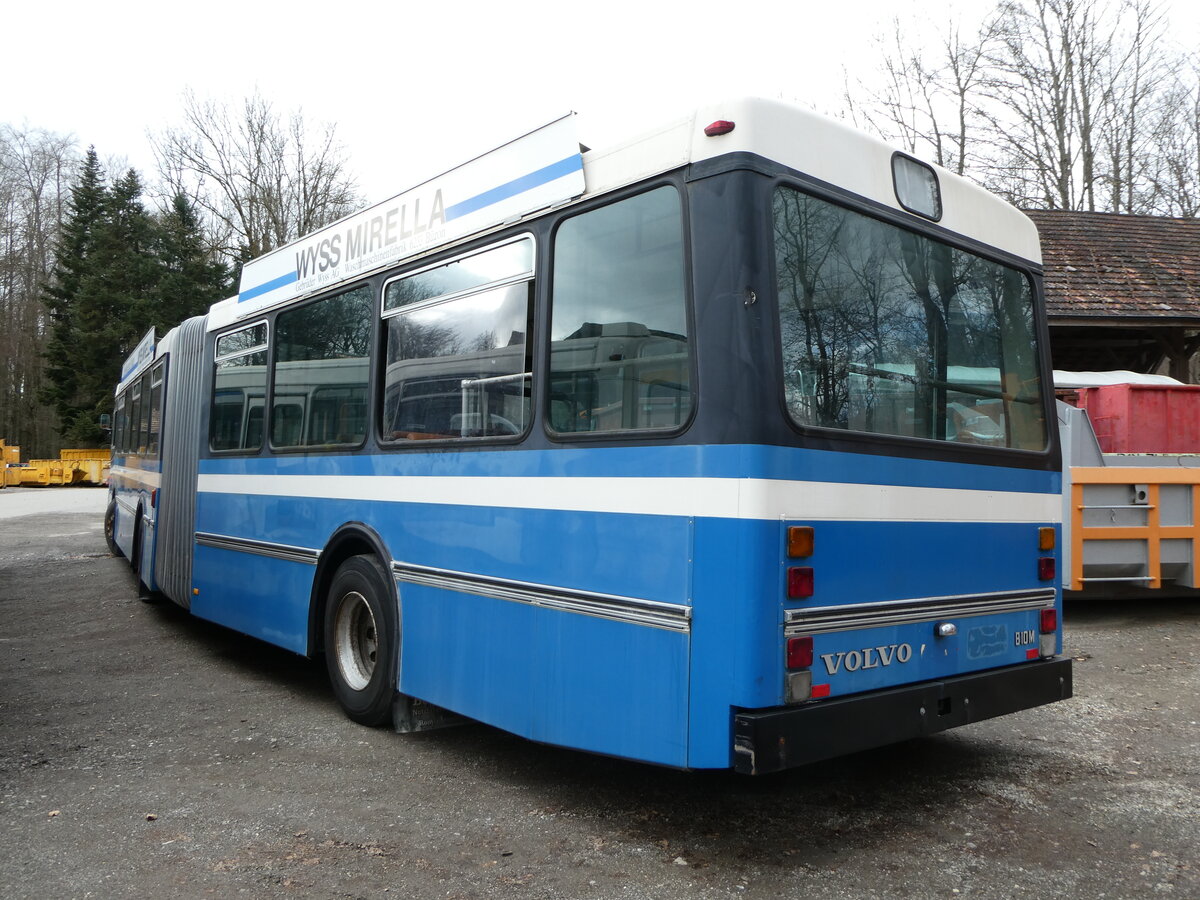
1046 539
799 541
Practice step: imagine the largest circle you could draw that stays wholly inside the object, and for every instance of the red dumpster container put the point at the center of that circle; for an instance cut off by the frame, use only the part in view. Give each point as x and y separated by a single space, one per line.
1144 418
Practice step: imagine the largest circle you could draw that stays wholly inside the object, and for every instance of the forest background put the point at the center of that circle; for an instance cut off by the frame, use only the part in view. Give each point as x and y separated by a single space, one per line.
1053 104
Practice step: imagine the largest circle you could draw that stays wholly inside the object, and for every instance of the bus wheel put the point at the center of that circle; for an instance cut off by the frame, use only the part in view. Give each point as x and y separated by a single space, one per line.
110 529
361 640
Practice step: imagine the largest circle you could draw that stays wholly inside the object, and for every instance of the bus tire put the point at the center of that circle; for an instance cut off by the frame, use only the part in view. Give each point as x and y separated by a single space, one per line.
362 640
110 529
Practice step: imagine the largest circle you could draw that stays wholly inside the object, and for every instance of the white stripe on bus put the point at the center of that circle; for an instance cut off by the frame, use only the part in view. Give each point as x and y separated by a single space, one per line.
141 477
721 498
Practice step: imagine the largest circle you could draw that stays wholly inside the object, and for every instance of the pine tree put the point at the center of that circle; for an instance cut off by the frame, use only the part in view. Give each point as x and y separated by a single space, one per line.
85 213
193 276
115 305
119 272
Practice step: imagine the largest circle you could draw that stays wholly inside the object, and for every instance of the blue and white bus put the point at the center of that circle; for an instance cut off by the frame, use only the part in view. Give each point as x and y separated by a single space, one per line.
135 474
728 447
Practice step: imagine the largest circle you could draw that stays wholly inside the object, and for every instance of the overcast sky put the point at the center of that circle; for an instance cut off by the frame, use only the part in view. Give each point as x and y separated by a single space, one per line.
415 88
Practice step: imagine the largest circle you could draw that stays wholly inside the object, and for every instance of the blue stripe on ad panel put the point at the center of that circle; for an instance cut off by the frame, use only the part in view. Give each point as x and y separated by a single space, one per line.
268 286
544 175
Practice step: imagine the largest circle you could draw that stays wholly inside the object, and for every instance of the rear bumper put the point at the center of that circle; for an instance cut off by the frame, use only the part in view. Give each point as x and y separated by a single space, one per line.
775 739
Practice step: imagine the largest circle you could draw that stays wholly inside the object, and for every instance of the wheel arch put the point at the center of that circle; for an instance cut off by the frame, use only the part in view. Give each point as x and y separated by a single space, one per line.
350 539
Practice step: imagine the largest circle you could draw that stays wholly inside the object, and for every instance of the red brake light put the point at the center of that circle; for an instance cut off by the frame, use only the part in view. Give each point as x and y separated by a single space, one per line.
721 126
1049 622
1046 568
800 652
799 582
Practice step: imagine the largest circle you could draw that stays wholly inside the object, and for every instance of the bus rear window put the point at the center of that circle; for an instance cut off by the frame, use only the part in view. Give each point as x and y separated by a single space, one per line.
890 332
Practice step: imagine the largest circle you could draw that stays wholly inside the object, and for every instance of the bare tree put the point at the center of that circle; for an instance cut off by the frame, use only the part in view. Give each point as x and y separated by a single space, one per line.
1176 173
1136 78
1064 104
35 172
260 180
931 97
1042 90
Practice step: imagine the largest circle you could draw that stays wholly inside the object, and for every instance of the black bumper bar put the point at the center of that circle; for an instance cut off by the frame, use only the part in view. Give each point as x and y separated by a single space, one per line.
771 740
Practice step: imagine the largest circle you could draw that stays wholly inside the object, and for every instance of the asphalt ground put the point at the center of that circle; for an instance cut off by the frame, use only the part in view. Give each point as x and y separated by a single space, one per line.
147 753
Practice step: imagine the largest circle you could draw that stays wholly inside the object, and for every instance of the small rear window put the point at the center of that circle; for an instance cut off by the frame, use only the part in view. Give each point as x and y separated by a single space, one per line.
917 187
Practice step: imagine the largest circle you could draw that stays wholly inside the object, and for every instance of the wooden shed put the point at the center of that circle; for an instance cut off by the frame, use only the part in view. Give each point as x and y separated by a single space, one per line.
1123 292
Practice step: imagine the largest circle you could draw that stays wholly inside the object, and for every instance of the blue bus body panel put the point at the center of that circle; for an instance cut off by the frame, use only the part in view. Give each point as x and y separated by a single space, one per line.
269 602
610 686
865 562
549 675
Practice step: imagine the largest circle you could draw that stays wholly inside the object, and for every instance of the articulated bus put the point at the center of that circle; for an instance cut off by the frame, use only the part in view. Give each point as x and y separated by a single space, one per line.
729 447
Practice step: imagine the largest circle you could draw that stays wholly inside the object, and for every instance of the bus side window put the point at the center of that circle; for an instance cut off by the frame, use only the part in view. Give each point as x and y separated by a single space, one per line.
143 441
156 392
458 355
620 355
321 357
135 415
239 383
118 437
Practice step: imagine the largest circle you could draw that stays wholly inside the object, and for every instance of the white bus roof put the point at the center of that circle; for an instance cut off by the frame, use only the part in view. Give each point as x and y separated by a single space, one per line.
545 168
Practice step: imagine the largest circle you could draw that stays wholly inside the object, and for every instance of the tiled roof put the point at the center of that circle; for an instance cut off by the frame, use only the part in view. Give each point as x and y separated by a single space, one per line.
1107 265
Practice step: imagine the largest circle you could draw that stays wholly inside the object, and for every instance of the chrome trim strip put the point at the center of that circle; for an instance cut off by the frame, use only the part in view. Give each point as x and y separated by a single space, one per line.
823 619
259 548
631 610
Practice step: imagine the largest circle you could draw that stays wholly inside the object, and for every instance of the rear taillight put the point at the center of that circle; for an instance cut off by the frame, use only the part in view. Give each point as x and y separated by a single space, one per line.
799 676
1046 568
799 582
800 652
1048 625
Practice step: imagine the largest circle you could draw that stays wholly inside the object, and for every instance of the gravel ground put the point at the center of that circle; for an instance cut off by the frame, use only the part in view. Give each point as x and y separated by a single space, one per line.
143 751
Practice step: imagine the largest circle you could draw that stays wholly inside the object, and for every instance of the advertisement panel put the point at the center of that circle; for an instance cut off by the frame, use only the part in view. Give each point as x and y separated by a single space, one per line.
538 170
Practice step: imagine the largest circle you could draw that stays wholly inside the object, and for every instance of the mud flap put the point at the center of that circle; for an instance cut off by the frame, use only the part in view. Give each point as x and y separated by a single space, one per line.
410 715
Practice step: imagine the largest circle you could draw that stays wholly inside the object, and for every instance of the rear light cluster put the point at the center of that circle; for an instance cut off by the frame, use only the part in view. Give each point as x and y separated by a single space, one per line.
1047 571
799 652
1048 626
799 663
799 546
